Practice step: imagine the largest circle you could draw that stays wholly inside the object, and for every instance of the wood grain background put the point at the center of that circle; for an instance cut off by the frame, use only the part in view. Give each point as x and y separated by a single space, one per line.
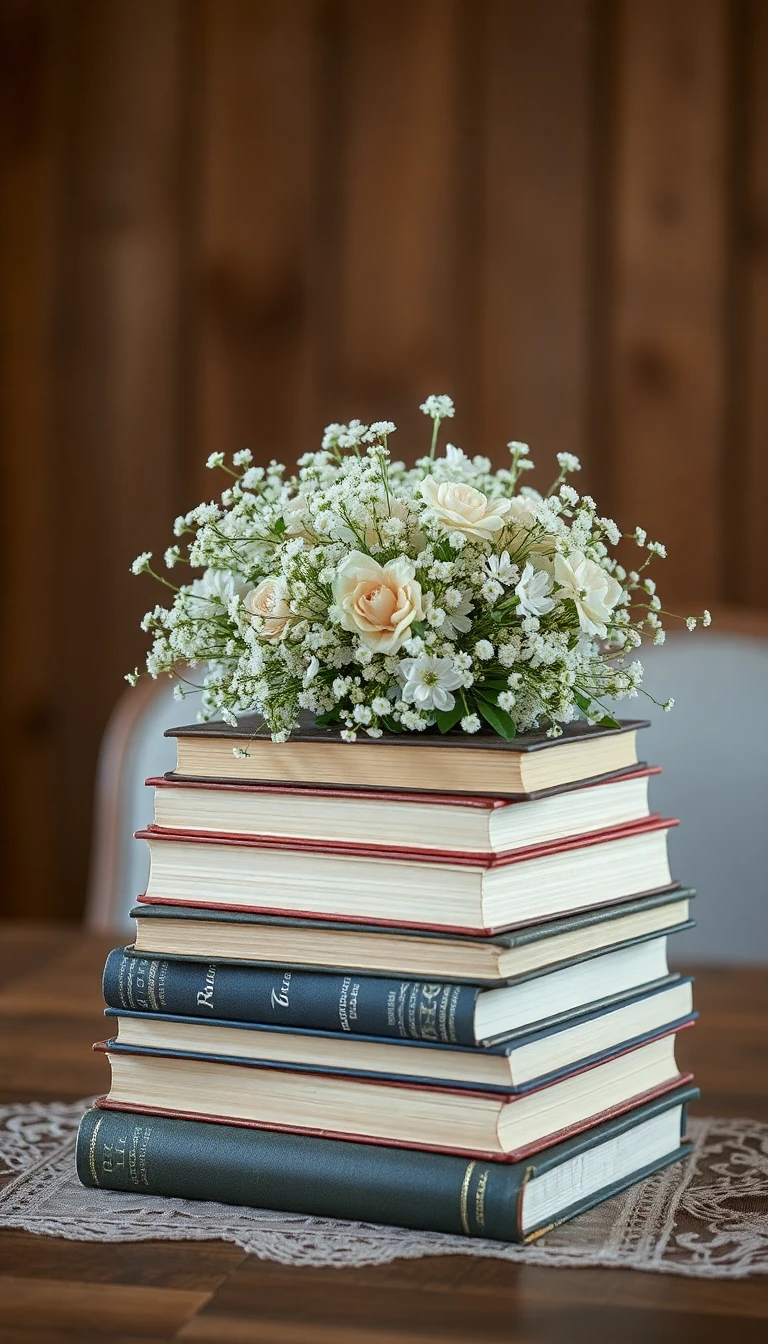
226 222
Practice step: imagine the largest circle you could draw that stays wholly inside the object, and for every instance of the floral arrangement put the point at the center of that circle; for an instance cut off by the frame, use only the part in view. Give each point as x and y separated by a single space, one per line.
383 598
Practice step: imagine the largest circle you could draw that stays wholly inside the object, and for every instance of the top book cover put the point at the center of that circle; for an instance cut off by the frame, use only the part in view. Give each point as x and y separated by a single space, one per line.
531 765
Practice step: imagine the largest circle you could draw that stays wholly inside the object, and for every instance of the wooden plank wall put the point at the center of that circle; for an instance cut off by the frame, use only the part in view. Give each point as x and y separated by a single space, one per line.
225 222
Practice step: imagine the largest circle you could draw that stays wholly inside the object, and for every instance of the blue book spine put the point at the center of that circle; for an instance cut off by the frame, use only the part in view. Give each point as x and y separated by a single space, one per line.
343 1002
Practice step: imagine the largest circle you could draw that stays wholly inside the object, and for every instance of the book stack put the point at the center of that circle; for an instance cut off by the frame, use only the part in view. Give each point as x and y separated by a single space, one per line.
421 982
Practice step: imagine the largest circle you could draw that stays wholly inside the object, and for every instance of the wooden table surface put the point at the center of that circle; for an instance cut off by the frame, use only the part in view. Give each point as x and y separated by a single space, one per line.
213 1293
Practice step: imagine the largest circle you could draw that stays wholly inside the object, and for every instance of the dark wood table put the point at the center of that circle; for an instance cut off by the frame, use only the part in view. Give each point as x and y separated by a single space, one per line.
51 1290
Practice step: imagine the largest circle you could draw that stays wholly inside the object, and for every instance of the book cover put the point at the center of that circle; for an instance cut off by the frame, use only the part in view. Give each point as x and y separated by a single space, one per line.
322 1177
289 999
252 726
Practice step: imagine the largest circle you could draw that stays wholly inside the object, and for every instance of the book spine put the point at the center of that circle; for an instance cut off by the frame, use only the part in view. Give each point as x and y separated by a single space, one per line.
327 1178
403 1009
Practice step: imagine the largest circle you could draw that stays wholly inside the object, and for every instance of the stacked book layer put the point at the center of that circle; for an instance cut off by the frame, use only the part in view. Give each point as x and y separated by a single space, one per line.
417 982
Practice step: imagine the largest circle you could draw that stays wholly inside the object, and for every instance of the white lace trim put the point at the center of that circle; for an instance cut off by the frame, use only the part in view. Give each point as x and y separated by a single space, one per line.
706 1217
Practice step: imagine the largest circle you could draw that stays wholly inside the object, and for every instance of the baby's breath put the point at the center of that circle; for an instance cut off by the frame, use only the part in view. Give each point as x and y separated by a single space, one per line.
381 598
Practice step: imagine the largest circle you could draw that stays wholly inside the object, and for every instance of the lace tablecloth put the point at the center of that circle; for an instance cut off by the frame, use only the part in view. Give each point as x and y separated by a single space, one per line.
706 1217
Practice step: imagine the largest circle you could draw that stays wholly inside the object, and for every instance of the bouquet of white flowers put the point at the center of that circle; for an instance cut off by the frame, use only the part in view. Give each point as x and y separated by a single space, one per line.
382 598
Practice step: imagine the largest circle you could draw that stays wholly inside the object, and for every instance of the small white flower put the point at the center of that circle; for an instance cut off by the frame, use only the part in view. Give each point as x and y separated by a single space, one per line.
640 536
518 449
456 458
658 548
429 682
242 458
240 754
660 637
668 704
706 618
500 567
491 591
691 622
568 462
215 460
380 705
132 677
533 591
506 701
457 617
312 670
141 563
484 650
470 723
438 407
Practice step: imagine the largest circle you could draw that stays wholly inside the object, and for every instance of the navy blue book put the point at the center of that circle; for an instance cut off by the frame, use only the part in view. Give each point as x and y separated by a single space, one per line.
160 1155
527 1060
403 1009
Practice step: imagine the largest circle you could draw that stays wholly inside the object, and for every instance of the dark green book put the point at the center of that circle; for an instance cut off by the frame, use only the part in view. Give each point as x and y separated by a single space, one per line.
160 1155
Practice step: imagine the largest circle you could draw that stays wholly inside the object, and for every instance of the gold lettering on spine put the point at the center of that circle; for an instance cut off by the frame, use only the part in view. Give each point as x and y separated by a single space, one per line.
465 1197
480 1199
92 1150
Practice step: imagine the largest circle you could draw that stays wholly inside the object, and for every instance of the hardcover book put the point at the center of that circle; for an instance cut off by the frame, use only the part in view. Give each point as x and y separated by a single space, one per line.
393 887
525 1059
423 823
481 1123
453 763
182 933
454 1014
149 1154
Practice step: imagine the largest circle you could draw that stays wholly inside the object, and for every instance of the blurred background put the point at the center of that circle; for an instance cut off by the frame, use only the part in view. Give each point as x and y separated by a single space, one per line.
224 223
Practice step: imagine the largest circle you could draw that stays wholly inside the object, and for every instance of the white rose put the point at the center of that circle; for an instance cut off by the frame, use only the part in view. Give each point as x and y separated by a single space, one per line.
378 602
268 601
461 508
593 592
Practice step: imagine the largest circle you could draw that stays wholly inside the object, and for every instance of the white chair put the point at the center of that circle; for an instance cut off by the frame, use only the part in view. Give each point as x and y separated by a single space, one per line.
133 749
713 748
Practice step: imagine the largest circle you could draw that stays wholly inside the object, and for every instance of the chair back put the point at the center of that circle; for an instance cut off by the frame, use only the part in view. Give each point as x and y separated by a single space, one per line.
713 749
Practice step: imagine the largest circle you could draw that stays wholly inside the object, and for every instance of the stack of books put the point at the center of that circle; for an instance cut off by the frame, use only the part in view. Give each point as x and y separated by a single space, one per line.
420 982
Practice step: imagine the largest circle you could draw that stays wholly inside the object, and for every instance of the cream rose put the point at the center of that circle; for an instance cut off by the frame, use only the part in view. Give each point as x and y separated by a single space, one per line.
593 592
461 508
378 602
269 602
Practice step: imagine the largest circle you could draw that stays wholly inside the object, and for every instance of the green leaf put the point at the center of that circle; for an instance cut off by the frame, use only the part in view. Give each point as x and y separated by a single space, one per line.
279 525
585 704
392 726
446 719
500 721
325 720
419 628
608 721
487 692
